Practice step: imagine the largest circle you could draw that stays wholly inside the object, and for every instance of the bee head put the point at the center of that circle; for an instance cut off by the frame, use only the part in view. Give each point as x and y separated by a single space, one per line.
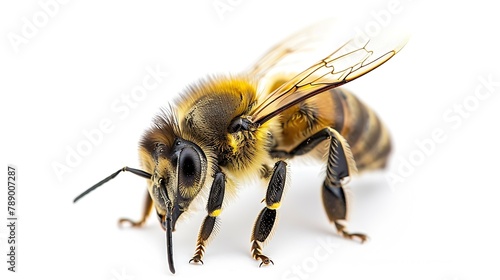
179 174
178 177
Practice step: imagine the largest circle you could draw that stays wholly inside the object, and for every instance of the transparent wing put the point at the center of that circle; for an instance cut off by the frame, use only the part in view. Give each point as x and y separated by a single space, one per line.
292 49
350 61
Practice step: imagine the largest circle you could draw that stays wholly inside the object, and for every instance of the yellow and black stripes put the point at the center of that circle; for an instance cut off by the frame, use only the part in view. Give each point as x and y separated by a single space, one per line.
363 130
346 114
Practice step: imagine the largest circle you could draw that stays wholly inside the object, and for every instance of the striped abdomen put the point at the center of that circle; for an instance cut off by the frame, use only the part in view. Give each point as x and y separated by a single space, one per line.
341 110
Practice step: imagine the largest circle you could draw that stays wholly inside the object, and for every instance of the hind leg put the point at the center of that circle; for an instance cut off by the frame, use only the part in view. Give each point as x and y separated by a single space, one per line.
334 201
340 165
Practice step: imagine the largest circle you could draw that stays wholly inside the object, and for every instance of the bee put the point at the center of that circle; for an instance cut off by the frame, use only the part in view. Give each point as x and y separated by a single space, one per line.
226 129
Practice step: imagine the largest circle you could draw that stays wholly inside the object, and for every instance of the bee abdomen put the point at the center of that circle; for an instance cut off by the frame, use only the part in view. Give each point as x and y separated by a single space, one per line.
344 112
363 130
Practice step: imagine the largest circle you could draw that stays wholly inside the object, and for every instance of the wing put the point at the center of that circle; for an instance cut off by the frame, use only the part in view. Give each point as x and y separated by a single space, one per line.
351 60
291 49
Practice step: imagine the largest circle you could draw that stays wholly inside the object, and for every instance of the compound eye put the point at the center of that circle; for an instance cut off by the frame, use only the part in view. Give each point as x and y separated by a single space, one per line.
189 167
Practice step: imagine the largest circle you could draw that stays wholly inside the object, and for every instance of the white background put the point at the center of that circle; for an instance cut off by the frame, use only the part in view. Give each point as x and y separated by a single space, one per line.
440 222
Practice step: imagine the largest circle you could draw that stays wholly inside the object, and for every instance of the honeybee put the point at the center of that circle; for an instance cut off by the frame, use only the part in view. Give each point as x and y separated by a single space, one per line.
225 129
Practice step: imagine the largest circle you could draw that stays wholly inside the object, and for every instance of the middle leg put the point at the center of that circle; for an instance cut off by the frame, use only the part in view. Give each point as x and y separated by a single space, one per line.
267 217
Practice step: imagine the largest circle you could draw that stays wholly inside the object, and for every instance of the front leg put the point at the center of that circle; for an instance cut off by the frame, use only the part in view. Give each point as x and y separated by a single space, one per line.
214 207
267 217
148 206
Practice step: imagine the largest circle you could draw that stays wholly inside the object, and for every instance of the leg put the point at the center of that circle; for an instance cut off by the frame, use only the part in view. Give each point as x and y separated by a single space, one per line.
340 165
267 217
335 205
214 207
148 206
